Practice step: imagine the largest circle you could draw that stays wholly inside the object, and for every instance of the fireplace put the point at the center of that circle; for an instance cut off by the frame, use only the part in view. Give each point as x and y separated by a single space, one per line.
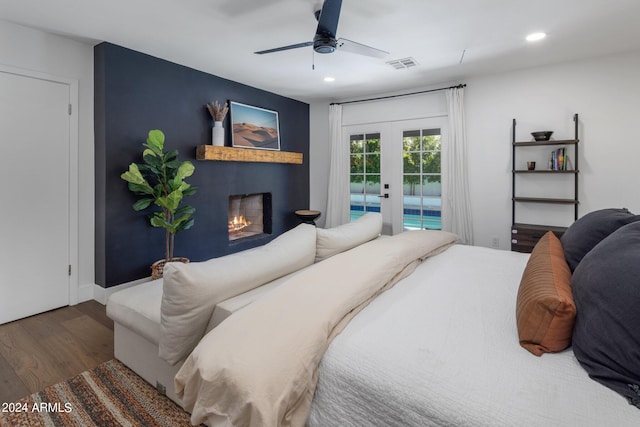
249 215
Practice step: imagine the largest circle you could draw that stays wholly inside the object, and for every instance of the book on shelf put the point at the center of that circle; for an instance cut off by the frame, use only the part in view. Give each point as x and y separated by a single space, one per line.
558 161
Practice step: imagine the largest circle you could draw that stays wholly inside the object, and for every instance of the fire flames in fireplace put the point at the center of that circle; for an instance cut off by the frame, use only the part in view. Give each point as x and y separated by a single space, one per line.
238 223
247 215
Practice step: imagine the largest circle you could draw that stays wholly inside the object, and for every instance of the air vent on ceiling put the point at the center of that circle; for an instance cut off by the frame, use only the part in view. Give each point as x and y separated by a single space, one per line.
399 64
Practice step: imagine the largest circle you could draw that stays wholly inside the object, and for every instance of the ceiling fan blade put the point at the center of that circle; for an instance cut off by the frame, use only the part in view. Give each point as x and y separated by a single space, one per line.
279 49
360 49
329 16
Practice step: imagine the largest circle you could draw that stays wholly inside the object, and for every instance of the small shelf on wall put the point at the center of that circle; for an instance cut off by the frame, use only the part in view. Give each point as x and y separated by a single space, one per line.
232 154
544 171
546 200
550 142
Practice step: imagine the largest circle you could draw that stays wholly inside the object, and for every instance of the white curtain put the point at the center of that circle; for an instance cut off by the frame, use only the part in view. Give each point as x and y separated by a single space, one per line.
338 194
456 215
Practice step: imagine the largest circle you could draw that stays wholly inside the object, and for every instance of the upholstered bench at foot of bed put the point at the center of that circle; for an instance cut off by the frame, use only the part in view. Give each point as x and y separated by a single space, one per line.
136 314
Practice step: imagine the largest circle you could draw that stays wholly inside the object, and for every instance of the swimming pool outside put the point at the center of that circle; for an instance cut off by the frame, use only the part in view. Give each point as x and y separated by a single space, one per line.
410 222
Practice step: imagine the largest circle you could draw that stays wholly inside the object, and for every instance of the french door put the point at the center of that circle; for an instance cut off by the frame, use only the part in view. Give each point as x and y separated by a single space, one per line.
395 169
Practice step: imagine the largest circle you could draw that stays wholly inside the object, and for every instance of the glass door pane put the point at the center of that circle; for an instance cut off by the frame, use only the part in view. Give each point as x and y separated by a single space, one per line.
422 179
364 173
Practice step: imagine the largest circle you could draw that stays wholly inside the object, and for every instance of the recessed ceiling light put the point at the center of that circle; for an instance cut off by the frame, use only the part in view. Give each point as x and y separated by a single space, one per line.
534 37
329 79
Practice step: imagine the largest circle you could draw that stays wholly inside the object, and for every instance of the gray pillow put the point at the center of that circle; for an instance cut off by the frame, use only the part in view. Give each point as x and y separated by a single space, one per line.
589 230
606 291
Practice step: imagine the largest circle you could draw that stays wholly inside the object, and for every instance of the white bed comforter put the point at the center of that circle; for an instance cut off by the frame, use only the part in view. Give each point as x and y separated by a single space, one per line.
259 366
441 349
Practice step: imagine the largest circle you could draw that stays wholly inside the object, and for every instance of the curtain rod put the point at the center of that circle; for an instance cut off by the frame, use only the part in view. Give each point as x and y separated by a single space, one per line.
404 94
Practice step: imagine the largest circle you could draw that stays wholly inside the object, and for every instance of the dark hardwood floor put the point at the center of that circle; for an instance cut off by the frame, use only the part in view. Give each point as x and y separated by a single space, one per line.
51 347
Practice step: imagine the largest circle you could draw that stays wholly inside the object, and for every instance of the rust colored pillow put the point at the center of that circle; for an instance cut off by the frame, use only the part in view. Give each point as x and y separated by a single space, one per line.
545 310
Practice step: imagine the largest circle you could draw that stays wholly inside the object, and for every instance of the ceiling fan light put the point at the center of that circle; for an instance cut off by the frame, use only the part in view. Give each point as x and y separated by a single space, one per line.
324 44
534 37
324 49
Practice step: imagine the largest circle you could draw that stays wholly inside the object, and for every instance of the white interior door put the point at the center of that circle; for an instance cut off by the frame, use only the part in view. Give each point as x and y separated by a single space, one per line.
34 213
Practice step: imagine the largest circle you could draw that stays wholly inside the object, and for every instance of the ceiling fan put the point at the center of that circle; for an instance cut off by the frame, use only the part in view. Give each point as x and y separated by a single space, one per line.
325 39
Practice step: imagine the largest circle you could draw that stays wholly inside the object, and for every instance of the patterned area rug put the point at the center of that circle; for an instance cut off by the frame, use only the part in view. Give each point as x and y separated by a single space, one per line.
109 395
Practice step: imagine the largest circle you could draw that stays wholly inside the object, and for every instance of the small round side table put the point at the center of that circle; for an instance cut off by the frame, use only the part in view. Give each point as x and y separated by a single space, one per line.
307 216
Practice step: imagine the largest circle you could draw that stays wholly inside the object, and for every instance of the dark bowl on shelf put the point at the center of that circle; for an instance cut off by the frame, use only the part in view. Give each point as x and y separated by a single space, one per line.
544 135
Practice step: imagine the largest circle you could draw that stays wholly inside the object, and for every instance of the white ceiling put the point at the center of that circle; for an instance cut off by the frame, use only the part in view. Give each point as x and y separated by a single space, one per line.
220 36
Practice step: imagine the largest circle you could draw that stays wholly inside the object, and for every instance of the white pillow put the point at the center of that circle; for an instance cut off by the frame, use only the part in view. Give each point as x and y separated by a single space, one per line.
191 291
332 241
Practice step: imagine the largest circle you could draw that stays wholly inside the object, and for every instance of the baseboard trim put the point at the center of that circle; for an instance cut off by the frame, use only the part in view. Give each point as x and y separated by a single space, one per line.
85 292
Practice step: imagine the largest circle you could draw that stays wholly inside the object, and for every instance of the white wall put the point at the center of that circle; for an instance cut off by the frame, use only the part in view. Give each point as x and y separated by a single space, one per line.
605 92
35 50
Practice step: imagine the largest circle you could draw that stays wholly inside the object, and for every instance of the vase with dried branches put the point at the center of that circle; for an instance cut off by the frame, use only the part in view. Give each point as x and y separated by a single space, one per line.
218 113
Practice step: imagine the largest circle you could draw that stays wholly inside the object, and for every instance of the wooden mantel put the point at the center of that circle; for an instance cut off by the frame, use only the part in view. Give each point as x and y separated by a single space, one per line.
232 154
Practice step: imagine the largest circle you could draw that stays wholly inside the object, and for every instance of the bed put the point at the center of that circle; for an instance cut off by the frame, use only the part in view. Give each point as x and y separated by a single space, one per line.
435 342
441 348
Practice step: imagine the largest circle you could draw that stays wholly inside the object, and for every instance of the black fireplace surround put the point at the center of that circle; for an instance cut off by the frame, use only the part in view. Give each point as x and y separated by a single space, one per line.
135 93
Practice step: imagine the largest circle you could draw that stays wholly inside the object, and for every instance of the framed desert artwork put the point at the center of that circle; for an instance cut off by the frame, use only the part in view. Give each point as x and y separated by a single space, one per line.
254 127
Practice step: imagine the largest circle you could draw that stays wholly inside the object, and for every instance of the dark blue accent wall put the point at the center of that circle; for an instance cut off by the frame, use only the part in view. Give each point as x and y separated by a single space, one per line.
134 93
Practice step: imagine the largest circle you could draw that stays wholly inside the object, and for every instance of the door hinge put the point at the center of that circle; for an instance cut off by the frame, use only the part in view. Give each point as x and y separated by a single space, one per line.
69 269
70 109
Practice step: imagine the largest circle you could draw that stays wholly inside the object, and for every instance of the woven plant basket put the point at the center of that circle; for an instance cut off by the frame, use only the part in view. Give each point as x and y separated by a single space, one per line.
158 267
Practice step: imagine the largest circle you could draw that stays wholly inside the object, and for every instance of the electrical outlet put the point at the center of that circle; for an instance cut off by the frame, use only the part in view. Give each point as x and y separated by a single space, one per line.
495 242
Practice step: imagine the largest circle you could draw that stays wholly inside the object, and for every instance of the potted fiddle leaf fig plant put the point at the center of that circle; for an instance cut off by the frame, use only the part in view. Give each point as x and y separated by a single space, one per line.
160 182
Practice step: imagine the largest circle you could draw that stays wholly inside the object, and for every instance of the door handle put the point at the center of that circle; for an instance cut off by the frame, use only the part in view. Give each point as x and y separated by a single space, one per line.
385 195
